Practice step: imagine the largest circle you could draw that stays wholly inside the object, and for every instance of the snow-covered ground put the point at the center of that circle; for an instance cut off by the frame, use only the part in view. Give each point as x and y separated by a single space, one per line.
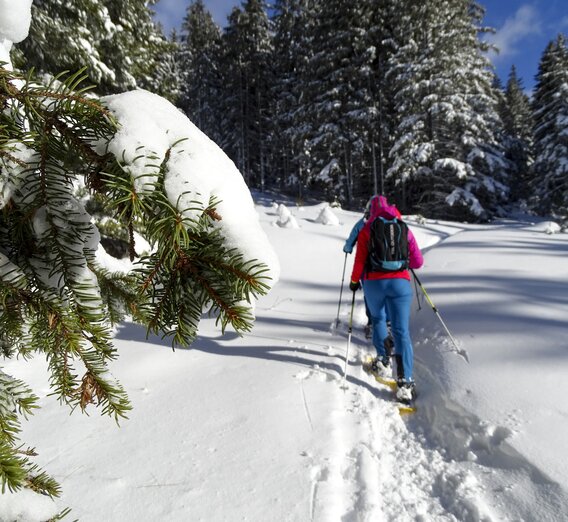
258 428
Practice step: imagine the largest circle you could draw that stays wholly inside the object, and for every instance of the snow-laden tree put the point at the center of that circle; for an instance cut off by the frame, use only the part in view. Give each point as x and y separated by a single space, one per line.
115 39
293 21
165 77
550 103
59 297
384 18
328 52
446 155
233 95
338 102
198 61
246 66
517 138
258 70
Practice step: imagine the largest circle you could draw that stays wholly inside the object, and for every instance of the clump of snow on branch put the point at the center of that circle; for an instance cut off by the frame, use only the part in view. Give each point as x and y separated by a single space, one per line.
461 169
325 175
11 174
15 18
197 169
464 196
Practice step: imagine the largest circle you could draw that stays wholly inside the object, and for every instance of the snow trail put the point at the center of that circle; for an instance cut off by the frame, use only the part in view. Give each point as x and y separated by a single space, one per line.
388 473
258 428
374 467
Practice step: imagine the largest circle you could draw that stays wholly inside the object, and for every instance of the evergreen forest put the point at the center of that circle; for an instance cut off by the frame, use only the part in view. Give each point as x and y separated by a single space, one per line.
337 99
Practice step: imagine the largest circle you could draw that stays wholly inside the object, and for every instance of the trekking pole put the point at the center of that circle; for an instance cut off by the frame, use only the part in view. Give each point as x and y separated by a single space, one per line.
350 329
341 291
459 350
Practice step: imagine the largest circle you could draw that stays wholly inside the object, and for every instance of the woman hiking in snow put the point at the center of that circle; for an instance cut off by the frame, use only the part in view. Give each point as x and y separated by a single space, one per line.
386 284
350 243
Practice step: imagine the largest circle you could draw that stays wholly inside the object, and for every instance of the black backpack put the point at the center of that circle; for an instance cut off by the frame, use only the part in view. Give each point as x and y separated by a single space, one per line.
388 246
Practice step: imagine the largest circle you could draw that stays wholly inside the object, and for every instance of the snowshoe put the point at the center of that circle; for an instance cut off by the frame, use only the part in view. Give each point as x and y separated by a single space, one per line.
380 369
406 396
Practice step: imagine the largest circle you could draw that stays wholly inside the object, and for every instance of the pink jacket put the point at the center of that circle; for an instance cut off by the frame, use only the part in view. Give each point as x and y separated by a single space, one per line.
381 208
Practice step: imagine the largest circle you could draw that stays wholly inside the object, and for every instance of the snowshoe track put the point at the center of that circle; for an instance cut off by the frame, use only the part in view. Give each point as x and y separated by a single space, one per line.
379 470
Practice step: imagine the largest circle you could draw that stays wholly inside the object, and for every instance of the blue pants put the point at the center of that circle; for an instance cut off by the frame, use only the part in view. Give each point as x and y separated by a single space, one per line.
396 294
368 313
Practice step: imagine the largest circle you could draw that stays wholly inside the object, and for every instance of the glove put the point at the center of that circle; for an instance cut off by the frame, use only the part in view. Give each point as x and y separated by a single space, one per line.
347 249
354 286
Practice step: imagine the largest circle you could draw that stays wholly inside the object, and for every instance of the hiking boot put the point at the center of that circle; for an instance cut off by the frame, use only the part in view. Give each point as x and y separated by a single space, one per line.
380 367
368 331
406 391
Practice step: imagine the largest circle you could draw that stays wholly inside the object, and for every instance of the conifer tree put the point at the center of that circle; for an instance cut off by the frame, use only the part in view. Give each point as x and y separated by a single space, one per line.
339 103
55 298
115 39
550 104
446 155
247 82
165 78
517 139
384 18
293 30
258 67
233 94
198 62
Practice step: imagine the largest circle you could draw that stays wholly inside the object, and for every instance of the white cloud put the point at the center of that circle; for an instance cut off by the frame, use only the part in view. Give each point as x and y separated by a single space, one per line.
524 22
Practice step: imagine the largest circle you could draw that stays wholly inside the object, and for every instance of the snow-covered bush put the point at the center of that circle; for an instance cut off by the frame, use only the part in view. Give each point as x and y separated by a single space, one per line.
327 217
285 218
547 227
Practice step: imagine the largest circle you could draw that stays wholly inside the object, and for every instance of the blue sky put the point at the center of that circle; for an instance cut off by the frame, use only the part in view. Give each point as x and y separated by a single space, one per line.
523 28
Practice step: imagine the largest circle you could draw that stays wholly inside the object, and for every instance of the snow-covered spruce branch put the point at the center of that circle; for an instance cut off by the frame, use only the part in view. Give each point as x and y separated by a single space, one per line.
119 295
55 297
13 159
191 269
58 125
